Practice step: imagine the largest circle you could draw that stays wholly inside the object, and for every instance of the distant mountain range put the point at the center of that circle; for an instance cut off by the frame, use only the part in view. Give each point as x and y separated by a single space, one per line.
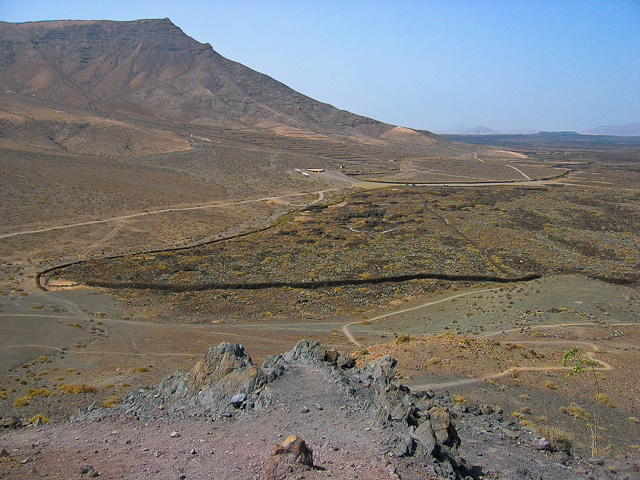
150 69
630 130
482 130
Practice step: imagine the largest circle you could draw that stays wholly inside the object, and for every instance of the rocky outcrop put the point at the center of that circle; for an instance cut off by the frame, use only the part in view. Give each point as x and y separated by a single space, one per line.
424 428
226 382
225 376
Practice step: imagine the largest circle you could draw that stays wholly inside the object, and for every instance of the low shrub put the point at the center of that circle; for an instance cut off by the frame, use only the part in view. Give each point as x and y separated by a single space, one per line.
577 411
20 402
40 416
404 338
604 400
559 440
111 401
77 388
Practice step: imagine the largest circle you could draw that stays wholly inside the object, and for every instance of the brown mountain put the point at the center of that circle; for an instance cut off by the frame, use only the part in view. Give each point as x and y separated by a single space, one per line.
151 69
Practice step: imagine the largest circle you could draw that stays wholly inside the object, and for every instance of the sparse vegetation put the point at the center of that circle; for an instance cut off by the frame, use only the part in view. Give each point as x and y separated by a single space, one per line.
77 388
604 400
39 416
559 439
576 411
404 338
20 402
111 401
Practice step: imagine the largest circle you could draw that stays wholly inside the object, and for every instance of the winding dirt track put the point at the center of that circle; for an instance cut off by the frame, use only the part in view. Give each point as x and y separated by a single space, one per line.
166 210
512 370
591 355
352 339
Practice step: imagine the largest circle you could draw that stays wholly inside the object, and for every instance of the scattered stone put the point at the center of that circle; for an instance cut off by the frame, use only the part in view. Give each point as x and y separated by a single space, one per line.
628 476
331 356
404 446
174 434
347 363
522 473
303 410
237 400
561 457
293 456
89 471
4 453
10 422
541 443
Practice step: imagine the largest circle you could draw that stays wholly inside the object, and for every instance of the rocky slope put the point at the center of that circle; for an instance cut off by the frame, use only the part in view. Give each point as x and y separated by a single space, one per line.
150 68
222 419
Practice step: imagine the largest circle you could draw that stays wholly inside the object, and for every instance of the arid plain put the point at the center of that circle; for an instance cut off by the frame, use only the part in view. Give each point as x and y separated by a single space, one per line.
489 342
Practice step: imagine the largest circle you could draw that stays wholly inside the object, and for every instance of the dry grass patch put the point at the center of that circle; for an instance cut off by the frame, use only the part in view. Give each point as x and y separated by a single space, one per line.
77 388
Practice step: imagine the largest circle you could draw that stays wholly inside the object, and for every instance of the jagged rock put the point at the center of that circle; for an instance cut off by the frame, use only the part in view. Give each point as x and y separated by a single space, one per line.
292 457
426 437
225 370
237 400
382 371
305 350
4 453
394 405
273 367
404 446
225 376
346 363
445 430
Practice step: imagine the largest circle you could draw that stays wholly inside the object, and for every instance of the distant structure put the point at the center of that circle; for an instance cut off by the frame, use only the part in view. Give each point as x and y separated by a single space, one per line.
315 170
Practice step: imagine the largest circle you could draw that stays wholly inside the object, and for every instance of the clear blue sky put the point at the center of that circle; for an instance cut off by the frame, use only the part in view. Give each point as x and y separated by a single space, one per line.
512 64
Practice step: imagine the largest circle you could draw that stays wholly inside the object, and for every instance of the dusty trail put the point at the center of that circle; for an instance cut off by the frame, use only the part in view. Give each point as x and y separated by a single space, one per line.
165 210
108 237
520 172
510 371
352 339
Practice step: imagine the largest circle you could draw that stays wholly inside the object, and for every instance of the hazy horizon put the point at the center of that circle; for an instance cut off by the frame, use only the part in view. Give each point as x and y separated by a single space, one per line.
434 65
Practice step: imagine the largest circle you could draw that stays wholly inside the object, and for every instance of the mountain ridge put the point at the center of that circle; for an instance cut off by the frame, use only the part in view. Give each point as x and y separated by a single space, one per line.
151 69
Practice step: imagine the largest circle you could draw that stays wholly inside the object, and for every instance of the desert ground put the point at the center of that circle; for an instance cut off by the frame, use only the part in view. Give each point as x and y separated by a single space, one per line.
130 269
